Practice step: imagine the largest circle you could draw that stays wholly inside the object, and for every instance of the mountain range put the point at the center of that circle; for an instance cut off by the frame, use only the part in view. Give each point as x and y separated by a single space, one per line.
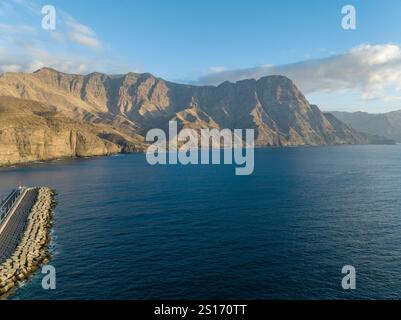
49 114
383 124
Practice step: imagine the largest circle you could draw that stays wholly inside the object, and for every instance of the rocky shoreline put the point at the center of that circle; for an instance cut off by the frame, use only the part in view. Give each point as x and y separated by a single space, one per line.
28 163
33 249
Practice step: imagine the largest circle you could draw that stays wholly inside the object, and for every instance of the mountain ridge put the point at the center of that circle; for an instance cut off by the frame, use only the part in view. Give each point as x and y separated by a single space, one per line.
128 105
386 124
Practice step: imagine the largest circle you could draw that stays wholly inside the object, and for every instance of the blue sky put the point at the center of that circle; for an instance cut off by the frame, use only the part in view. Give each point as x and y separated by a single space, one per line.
204 41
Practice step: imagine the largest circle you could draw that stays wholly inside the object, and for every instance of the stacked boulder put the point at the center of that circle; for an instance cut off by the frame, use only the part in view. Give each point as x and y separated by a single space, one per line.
32 251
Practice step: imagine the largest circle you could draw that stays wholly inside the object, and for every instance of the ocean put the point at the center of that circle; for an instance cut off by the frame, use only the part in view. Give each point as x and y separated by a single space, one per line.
126 230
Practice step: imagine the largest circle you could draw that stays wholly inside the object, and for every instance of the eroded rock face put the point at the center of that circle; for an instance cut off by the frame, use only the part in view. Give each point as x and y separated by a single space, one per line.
31 131
383 124
129 105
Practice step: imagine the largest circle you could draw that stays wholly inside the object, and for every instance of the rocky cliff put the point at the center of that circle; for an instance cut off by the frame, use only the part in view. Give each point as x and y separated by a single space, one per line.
383 124
31 131
99 114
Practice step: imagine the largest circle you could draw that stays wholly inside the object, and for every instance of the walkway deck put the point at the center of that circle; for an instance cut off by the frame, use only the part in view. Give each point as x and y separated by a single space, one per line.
14 220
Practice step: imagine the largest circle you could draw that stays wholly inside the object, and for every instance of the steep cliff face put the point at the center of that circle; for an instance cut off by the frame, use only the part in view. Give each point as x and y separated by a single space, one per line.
31 131
126 106
273 105
383 124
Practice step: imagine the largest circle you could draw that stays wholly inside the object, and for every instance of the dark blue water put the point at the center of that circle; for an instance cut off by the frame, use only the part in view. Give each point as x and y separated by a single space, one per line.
127 230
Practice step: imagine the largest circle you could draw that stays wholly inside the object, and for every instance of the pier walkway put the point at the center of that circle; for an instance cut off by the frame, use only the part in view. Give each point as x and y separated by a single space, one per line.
14 212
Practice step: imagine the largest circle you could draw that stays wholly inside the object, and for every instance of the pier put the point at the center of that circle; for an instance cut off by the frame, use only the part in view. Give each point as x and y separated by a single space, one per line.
14 217
25 222
6 205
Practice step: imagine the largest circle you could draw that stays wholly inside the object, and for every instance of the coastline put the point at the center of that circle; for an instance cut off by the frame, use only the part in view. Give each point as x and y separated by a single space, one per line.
49 160
33 249
38 161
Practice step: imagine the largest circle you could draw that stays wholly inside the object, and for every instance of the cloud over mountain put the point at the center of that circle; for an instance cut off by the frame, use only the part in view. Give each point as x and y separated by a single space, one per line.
370 69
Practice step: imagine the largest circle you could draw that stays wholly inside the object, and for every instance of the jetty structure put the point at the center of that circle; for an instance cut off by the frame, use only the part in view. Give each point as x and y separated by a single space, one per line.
25 223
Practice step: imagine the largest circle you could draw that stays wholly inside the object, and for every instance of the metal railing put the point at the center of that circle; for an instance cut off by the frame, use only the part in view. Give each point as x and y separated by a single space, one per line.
8 203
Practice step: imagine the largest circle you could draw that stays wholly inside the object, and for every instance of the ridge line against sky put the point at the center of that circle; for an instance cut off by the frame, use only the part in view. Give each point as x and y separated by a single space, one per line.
204 42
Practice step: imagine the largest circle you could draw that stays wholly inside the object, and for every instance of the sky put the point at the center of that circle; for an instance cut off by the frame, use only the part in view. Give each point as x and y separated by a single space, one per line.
208 42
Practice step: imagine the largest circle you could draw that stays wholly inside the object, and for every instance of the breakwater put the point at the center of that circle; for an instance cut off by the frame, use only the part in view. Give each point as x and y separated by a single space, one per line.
24 237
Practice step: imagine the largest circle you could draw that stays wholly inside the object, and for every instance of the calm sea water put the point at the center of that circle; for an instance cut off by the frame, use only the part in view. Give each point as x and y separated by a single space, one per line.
127 230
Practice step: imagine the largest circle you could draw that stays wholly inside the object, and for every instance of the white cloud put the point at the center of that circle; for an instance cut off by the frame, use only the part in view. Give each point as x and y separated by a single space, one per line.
369 69
217 69
29 5
73 47
84 40
12 29
67 26
33 58
81 34
10 68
